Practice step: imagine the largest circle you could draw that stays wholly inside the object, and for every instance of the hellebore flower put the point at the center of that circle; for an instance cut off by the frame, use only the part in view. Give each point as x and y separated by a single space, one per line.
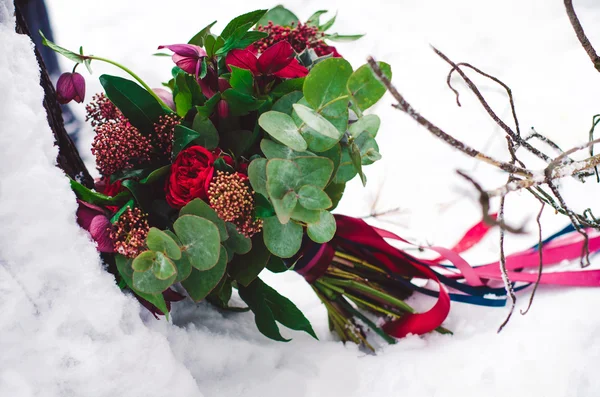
187 57
278 60
93 219
208 92
165 96
69 87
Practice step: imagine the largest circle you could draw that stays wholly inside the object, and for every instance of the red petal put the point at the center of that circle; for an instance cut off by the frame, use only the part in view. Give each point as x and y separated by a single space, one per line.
242 59
185 50
292 71
275 58
186 64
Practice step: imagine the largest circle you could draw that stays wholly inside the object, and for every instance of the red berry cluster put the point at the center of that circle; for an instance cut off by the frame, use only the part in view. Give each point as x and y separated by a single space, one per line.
129 232
300 37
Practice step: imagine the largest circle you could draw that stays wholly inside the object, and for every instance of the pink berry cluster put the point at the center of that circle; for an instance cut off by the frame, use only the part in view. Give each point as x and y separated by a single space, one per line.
129 232
300 37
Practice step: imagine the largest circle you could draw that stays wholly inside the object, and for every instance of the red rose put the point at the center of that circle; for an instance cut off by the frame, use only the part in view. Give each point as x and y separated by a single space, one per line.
191 173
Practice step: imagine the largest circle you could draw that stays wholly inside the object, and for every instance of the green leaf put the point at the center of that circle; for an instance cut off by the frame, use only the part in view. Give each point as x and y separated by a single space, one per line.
315 170
263 316
276 265
89 196
138 173
346 171
317 122
269 306
209 106
313 20
287 86
365 87
147 282
248 18
182 95
327 25
138 105
284 104
327 82
244 269
201 283
143 261
282 240
282 127
369 150
238 142
337 116
257 174
307 216
324 230
115 217
284 207
313 198
335 155
274 150
183 265
203 210
162 267
199 37
200 239
249 38
237 242
182 137
209 137
242 80
282 177
343 38
262 207
158 240
73 56
279 15
335 192
239 103
156 175
232 41
357 162
126 271
369 123
221 295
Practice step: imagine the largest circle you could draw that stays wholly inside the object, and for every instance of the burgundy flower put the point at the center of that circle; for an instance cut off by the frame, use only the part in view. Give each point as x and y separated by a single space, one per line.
209 92
69 87
187 56
278 60
191 174
93 219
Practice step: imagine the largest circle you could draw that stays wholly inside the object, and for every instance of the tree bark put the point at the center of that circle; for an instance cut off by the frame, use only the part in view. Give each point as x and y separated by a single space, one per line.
68 158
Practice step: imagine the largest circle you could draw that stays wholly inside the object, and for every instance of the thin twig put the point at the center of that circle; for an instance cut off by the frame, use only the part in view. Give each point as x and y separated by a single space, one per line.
541 264
510 292
585 43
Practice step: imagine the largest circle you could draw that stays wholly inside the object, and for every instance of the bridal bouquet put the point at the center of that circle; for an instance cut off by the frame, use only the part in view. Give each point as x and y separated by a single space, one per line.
235 166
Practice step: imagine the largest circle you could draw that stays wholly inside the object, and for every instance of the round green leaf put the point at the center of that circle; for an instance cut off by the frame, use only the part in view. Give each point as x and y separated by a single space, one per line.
369 123
282 177
163 268
303 215
238 243
148 283
314 170
313 198
369 150
199 284
326 82
282 240
143 261
200 239
285 206
324 230
282 127
317 122
203 210
284 104
257 174
273 150
365 87
159 241
184 267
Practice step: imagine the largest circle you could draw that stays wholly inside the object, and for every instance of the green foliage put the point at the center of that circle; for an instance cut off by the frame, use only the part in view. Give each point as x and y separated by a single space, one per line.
313 198
242 80
201 283
244 269
200 37
209 106
279 15
73 56
138 105
203 210
365 87
257 174
159 241
269 306
323 230
242 20
282 127
92 197
282 240
237 242
239 103
200 239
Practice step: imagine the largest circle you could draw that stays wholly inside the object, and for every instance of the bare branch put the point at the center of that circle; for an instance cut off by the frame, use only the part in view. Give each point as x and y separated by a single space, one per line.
540 255
585 43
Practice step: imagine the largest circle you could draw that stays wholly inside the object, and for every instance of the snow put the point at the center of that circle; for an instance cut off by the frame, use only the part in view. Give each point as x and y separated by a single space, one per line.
66 329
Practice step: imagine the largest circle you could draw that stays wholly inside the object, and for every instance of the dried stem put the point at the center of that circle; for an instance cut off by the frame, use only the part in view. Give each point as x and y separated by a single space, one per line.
585 43
507 283
541 264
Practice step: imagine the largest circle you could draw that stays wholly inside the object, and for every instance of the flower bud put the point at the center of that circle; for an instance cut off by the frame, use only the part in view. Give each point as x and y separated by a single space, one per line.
70 86
165 96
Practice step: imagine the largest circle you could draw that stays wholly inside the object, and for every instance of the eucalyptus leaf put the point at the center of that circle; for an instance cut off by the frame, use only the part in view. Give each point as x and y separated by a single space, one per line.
317 122
313 198
282 240
200 239
357 162
365 88
282 177
257 174
284 207
148 283
323 230
201 283
274 150
326 82
284 104
314 170
369 123
282 127
199 208
159 241
244 269
237 242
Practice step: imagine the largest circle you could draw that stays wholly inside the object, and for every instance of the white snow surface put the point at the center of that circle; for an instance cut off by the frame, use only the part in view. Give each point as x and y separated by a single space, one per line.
67 330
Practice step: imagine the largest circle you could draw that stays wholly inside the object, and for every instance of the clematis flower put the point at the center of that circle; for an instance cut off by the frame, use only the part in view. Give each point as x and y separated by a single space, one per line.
187 57
278 60
93 219
69 87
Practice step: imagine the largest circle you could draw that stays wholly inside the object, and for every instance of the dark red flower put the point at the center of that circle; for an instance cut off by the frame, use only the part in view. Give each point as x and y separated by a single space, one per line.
191 174
278 60
70 87
93 219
